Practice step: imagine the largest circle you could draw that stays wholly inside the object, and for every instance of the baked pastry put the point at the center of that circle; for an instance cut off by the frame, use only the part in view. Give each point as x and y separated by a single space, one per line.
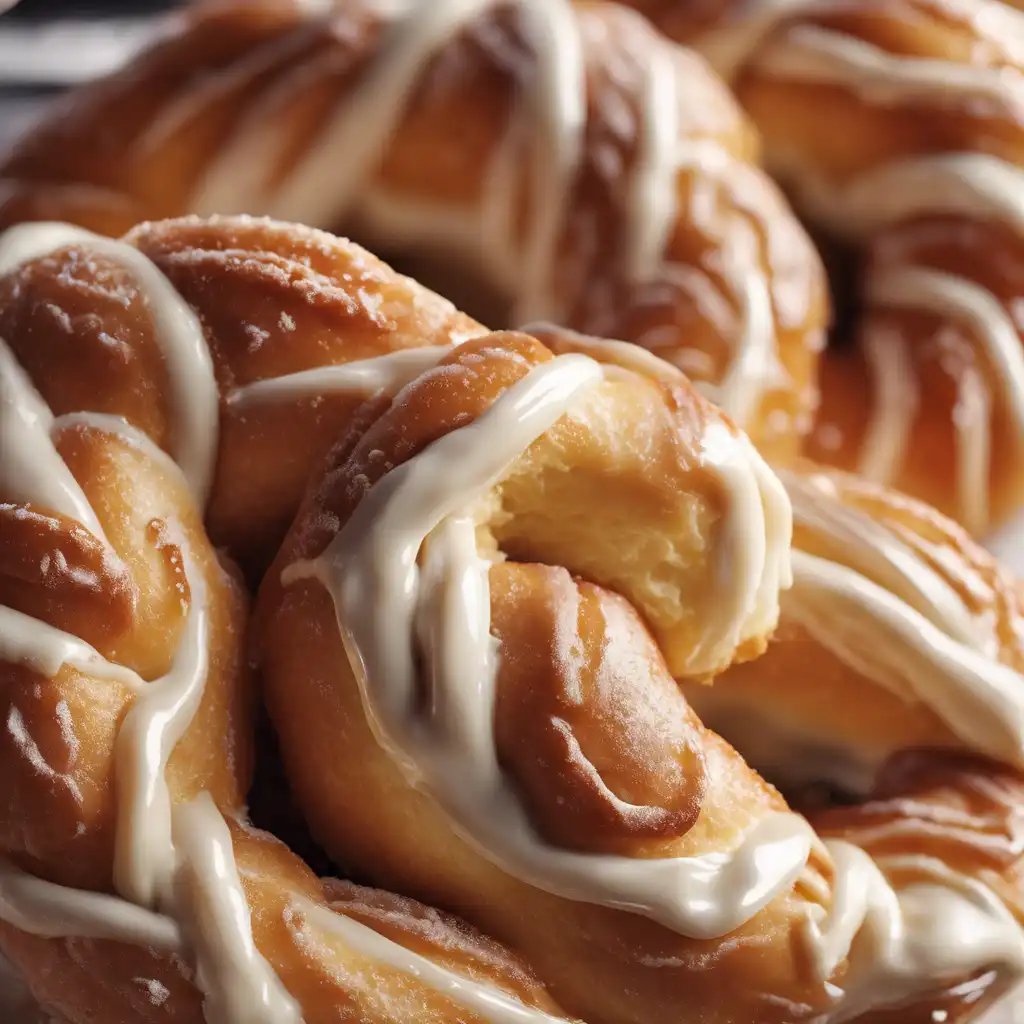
917 201
513 743
491 605
533 159
132 889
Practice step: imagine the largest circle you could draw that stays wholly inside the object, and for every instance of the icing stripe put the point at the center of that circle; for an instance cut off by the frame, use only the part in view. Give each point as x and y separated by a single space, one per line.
144 854
53 911
193 385
897 399
219 924
483 1001
807 53
40 647
894 646
388 373
956 298
32 471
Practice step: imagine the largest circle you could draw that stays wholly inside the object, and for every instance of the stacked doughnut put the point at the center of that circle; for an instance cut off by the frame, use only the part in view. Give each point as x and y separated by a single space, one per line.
896 129
662 732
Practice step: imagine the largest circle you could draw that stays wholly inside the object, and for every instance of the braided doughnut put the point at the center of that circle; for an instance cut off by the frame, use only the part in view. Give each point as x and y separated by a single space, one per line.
490 604
592 173
919 194
132 888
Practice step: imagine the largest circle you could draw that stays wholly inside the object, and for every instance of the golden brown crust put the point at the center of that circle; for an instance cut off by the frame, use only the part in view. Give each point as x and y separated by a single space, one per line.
601 771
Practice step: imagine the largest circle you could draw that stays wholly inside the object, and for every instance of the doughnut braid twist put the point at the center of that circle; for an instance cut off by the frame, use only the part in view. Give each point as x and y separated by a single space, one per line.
500 642
898 130
563 160
488 595
136 378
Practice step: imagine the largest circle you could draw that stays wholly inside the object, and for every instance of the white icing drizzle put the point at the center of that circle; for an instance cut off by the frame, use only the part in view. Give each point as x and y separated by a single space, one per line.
323 186
653 193
913 635
144 854
971 417
971 185
955 298
33 471
42 908
951 296
40 647
388 374
755 538
551 115
239 983
933 925
871 549
916 637
980 700
897 398
754 366
483 1001
193 385
729 47
609 353
384 600
809 53
148 864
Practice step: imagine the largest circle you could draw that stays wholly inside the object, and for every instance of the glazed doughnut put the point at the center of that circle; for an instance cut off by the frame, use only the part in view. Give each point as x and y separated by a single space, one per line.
912 634
919 197
132 889
489 596
533 159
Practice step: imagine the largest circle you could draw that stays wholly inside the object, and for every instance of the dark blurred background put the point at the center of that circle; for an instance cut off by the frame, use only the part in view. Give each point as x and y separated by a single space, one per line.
48 45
